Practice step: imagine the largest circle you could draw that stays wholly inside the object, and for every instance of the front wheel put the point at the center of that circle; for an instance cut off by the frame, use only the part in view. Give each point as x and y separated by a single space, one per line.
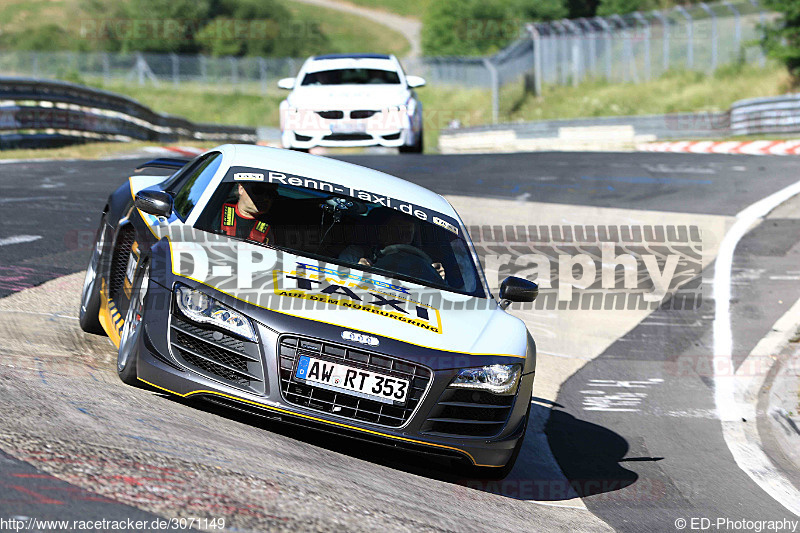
90 296
415 148
132 329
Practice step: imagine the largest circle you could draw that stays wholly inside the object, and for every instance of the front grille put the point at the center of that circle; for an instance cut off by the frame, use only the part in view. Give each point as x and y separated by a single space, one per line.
217 354
362 113
348 137
468 413
119 261
342 404
392 136
302 138
331 114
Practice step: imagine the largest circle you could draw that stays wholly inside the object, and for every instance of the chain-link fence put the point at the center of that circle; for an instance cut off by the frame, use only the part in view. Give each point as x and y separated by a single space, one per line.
226 73
640 46
630 48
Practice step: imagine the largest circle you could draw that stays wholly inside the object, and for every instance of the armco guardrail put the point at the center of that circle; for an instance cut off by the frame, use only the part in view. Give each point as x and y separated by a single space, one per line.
779 114
598 133
39 113
774 115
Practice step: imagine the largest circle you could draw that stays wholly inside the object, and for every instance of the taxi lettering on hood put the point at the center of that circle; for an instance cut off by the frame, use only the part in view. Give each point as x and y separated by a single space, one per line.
349 291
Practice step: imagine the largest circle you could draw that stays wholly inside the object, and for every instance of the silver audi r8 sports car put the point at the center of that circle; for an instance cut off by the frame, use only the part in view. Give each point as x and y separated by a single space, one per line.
314 291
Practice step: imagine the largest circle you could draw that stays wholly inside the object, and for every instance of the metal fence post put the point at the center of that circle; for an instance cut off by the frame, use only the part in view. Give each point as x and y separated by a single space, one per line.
762 18
588 30
234 70
737 26
561 51
665 39
495 89
262 70
537 58
175 69
689 36
626 42
140 68
714 36
575 52
646 24
106 67
607 34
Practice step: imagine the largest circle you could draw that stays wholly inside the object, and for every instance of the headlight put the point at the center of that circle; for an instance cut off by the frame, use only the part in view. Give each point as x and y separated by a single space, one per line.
396 109
202 308
497 379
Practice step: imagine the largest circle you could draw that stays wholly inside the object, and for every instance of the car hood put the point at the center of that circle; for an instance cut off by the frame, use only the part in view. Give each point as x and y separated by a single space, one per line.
334 97
263 281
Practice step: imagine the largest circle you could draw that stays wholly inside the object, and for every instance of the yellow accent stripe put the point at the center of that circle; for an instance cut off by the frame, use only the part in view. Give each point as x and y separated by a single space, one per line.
169 242
271 408
105 317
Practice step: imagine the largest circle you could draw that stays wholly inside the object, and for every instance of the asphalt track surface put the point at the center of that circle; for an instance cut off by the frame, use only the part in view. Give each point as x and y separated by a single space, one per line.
636 470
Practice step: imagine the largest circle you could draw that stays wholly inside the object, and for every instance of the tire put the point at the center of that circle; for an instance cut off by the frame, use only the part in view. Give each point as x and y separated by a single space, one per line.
304 150
485 472
128 354
415 148
90 296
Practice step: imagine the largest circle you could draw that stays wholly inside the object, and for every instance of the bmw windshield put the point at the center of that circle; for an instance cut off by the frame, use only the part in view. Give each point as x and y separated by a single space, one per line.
352 76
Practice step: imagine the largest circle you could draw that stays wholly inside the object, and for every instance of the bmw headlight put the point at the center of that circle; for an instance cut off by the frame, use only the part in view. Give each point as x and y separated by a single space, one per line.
202 308
396 109
497 379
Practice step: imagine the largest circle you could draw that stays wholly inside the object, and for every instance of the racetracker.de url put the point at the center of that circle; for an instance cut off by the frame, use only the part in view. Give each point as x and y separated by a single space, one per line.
727 524
25 523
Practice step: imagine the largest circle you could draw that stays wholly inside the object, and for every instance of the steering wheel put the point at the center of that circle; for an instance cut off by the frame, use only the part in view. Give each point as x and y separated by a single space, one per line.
406 249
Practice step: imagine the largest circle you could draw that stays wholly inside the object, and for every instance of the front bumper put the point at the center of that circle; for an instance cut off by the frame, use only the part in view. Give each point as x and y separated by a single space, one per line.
159 367
329 139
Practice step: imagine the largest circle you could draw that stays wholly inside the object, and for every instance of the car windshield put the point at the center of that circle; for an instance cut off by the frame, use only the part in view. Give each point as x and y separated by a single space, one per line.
344 230
352 76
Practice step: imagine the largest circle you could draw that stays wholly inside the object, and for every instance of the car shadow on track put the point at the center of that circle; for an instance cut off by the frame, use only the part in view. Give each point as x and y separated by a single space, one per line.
556 442
562 458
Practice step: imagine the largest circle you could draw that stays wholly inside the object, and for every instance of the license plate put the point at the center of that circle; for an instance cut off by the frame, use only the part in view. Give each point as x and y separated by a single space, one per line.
351 380
348 127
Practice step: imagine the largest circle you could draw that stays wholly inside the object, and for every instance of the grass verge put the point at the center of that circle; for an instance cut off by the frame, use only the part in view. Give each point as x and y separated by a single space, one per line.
90 150
674 92
348 33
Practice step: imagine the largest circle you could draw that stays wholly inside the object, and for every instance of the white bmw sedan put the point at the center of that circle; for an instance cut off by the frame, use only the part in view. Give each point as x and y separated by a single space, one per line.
351 100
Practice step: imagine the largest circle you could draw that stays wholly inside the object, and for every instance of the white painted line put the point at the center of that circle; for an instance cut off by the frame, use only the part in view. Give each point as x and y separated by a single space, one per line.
31 199
19 239
52 315
785 278
746 452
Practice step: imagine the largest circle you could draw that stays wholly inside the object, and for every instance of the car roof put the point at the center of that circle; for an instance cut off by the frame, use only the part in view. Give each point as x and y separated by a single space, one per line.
352 56
332 170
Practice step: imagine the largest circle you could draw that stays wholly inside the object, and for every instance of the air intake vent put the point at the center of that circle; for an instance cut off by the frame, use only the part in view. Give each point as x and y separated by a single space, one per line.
468 413
217 354
119 261
331 115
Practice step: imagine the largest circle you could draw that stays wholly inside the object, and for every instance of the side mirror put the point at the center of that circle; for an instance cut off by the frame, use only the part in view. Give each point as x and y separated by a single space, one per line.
517 290
158 203
415 81
286 83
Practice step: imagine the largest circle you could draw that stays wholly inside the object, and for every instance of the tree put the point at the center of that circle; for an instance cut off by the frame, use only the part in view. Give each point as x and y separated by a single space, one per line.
466 27
257 28
782 38
621 7
479 27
